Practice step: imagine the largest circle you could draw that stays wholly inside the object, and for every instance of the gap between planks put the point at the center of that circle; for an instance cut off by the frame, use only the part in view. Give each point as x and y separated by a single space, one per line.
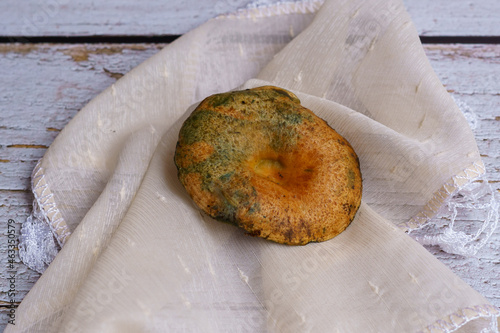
137 39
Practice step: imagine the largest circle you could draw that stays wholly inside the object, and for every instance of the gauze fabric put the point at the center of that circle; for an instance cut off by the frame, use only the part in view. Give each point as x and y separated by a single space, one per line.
138 256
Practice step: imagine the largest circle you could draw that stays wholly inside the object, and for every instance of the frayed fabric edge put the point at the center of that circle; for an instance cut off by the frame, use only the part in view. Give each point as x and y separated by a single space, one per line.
482 198
37 247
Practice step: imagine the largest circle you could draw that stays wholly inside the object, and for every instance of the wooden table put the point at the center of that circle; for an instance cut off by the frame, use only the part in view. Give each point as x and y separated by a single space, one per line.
59 65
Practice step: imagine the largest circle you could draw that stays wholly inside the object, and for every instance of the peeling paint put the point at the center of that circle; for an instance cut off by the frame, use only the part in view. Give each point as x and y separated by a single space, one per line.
114 75
81 52
27 146
18 48
455 51
78 53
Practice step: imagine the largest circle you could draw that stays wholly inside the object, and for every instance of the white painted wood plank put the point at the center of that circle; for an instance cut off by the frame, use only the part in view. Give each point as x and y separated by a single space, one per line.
46 85
470 74
455 18
42 88
157 17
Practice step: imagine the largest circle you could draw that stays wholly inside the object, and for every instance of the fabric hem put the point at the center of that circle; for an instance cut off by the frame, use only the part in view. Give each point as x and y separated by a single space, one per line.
458 319
282 8
47 205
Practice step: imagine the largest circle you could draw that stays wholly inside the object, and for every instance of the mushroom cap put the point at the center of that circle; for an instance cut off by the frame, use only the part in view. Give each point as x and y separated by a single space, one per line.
259 160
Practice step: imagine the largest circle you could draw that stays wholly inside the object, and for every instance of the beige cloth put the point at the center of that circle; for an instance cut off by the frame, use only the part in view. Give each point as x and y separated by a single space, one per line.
142 258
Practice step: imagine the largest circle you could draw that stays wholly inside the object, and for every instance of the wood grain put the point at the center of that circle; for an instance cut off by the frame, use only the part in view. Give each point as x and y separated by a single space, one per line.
156 17
48 84
470 74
